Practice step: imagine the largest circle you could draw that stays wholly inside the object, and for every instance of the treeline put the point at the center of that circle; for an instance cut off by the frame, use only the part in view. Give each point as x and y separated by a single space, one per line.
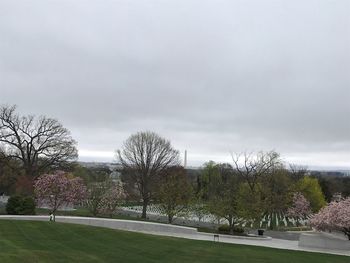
251 185
332 185
255 185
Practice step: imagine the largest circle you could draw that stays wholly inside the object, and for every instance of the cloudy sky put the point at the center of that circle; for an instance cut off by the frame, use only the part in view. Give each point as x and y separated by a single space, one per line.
214 77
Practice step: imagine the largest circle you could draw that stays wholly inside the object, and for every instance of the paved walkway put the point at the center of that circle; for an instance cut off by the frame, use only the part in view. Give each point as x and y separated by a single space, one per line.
177 231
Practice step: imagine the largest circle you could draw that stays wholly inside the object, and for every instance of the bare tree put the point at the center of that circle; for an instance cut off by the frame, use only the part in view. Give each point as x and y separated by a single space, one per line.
251 167
297 172
38 143
144 156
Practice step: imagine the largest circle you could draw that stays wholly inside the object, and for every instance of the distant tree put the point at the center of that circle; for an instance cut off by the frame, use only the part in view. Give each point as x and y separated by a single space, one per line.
175 192
112 199
9 173
297 172
104 197
58 189
345 182
209 177
276 187
335 216
198 208
250 204
144 156
132 192
328 187
311 190
300 208
331 185
40 144
252 167
221 191
95 194
92 174
255 170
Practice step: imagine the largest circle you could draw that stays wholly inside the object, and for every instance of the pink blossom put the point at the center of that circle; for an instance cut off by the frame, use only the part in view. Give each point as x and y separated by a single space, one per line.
300 207
335 216
56 190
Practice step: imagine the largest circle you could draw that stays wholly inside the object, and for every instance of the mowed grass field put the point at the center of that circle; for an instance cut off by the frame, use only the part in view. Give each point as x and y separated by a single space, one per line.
27 241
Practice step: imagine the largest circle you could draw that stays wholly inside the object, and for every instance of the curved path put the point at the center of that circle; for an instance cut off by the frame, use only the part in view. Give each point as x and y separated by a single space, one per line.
176 231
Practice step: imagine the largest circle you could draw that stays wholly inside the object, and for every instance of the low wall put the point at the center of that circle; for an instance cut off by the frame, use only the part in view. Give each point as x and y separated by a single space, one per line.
326 241
138 226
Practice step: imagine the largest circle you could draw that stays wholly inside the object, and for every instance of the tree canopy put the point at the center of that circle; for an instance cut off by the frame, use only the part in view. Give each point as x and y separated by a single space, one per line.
40 144
143 157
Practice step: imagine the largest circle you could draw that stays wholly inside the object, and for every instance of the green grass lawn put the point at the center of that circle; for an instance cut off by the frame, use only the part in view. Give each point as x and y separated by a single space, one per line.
27 241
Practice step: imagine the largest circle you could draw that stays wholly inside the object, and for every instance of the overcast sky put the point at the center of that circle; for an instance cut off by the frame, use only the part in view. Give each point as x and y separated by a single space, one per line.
214 77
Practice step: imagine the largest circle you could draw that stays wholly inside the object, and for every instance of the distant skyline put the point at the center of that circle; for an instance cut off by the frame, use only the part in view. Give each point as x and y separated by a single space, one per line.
214 77
105 157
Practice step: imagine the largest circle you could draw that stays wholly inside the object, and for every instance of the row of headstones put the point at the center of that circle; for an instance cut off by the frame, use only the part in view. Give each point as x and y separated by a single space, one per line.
275 219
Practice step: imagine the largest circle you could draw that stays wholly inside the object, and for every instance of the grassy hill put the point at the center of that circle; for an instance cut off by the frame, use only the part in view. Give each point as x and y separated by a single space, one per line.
26 241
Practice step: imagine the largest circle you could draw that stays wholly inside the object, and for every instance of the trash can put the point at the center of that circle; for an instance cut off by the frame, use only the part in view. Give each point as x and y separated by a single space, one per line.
261 232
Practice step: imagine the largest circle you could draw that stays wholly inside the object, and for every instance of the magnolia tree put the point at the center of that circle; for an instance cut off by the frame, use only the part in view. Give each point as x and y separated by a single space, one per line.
57 190
300 208
335 216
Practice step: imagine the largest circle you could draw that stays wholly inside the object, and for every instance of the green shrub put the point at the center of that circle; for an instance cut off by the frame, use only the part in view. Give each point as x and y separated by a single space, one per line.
238 229
13 205
226 229
20 205
28 206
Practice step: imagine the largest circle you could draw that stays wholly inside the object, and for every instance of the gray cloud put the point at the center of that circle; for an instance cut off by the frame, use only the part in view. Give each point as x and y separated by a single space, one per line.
213 76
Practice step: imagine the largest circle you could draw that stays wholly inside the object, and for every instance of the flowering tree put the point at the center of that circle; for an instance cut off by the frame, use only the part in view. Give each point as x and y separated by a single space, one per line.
56 190
300 208
335 216
111 200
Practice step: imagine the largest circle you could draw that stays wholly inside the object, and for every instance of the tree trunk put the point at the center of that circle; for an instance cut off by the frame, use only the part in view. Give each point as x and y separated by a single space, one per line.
30 171
170 218
94 212
347 232
230 222
144 208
